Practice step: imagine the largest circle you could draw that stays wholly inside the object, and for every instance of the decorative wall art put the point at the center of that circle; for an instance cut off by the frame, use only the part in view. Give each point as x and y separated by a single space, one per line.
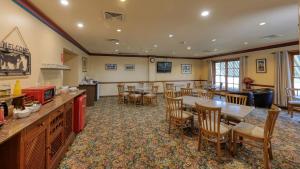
84 64
186 68
15 59
261 65
110 66
130 67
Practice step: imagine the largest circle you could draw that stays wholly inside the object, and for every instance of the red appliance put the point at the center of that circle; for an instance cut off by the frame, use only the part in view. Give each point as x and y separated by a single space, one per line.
43 94
79 113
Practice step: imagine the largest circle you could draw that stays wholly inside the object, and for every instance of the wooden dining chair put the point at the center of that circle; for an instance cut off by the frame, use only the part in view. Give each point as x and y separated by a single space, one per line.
188 85
186 92
169 86
235 99
169 94
122 95
261 136
219 91
211 129
293 100
152 96
133 96
205 94
177 117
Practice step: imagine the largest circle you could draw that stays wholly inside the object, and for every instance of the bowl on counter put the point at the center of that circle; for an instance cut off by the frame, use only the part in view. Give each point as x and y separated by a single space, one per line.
18 113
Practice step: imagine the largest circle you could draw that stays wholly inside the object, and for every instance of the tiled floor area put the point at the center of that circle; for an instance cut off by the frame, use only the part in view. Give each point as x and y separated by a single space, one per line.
126 136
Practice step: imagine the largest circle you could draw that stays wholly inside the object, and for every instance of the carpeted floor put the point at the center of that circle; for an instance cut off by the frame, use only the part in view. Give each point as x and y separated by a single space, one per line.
126 136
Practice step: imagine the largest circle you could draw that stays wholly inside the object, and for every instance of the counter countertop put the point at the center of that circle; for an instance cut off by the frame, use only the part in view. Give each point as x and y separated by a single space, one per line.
13 126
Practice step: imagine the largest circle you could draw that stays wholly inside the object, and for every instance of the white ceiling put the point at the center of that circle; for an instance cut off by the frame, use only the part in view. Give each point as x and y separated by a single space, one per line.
149 22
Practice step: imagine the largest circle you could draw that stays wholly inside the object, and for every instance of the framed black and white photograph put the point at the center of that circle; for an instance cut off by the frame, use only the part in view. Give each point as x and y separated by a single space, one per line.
261 65
130 67
84 64
110 67
186 68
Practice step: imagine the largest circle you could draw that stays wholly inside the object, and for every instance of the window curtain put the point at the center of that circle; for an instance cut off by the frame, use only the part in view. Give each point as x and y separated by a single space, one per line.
282 77
210 72
243 63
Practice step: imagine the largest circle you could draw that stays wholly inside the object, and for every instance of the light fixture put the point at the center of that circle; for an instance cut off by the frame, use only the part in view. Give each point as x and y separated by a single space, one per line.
188 48
171 35
155 45
214 40
116 50
216 50
205 13
146 51
246 43
64 2
117 43
80 25
262 23
119 30
122 0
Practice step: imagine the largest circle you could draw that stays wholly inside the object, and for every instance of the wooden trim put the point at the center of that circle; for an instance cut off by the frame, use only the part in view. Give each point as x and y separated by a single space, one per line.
254 49
150 81
36 12
262 85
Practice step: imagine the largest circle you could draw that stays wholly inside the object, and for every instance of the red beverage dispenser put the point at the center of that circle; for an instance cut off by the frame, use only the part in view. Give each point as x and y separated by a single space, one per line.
79 113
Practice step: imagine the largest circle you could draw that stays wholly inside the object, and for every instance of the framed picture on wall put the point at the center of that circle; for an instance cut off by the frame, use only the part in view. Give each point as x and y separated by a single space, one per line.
110 66
186 68
84 64
130 67
261 65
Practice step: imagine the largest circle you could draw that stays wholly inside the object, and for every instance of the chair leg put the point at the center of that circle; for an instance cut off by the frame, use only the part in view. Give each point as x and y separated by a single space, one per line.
200 142
182 133
266 160
218 148
234 143
270 151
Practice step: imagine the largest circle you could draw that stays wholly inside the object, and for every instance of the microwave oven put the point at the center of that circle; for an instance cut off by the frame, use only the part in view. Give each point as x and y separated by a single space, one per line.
42 94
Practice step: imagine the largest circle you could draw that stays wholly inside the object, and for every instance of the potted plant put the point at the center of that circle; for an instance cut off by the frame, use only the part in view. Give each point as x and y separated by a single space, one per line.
248 81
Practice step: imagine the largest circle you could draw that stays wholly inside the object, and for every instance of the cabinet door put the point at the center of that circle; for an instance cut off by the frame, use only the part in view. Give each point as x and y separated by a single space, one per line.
35 145
68 119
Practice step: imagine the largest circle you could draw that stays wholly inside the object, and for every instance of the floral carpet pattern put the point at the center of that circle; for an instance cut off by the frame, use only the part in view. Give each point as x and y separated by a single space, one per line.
120 136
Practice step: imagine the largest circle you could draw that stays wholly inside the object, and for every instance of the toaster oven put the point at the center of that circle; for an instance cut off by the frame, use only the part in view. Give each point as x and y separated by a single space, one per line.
43 94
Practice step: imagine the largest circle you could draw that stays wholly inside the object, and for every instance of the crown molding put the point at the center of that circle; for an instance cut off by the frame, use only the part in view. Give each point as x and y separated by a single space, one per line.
37 13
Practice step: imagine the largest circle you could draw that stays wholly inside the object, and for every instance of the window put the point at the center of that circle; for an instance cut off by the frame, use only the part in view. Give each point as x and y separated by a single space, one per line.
227 73
296 71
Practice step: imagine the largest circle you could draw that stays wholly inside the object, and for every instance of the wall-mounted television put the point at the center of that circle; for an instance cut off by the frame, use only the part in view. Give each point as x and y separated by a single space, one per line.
164 67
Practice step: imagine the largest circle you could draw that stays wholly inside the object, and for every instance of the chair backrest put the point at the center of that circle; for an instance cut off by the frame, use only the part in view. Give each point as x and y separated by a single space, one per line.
188 85
186 92
121 88
205 94
169 86
292 92
270 121
236 99
170 94
154 89
197 84
174 106
209 119
131 89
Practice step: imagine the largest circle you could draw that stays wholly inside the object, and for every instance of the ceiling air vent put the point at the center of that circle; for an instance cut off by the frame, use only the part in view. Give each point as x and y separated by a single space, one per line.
113 16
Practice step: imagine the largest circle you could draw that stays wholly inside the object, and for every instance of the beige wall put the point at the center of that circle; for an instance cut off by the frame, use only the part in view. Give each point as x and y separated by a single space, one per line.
144 71
259 78
45 45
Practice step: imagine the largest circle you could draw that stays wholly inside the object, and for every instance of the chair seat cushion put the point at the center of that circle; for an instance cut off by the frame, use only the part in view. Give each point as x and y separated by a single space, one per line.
294 102
124 94
150 95
186 114
249 129
135 95
223 127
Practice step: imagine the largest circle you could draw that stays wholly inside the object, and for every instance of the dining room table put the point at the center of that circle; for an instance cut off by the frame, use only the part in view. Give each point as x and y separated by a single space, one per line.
143 90
227 109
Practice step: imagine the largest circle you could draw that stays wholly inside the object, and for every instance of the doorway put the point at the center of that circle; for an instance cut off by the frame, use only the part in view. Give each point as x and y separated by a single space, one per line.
71 77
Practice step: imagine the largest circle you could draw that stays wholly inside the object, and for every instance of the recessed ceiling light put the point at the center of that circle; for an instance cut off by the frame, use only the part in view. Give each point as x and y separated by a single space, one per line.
216 50
117 43
119 30
146 51
155 45
116 50
80 25
262 23
122 0
214 40
246 43
188 48
171 35
205 13
64 2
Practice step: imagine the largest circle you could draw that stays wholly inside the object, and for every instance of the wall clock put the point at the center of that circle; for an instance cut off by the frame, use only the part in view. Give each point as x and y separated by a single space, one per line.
152 60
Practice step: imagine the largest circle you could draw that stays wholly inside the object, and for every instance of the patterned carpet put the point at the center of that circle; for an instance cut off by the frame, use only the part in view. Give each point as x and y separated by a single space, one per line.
126 136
